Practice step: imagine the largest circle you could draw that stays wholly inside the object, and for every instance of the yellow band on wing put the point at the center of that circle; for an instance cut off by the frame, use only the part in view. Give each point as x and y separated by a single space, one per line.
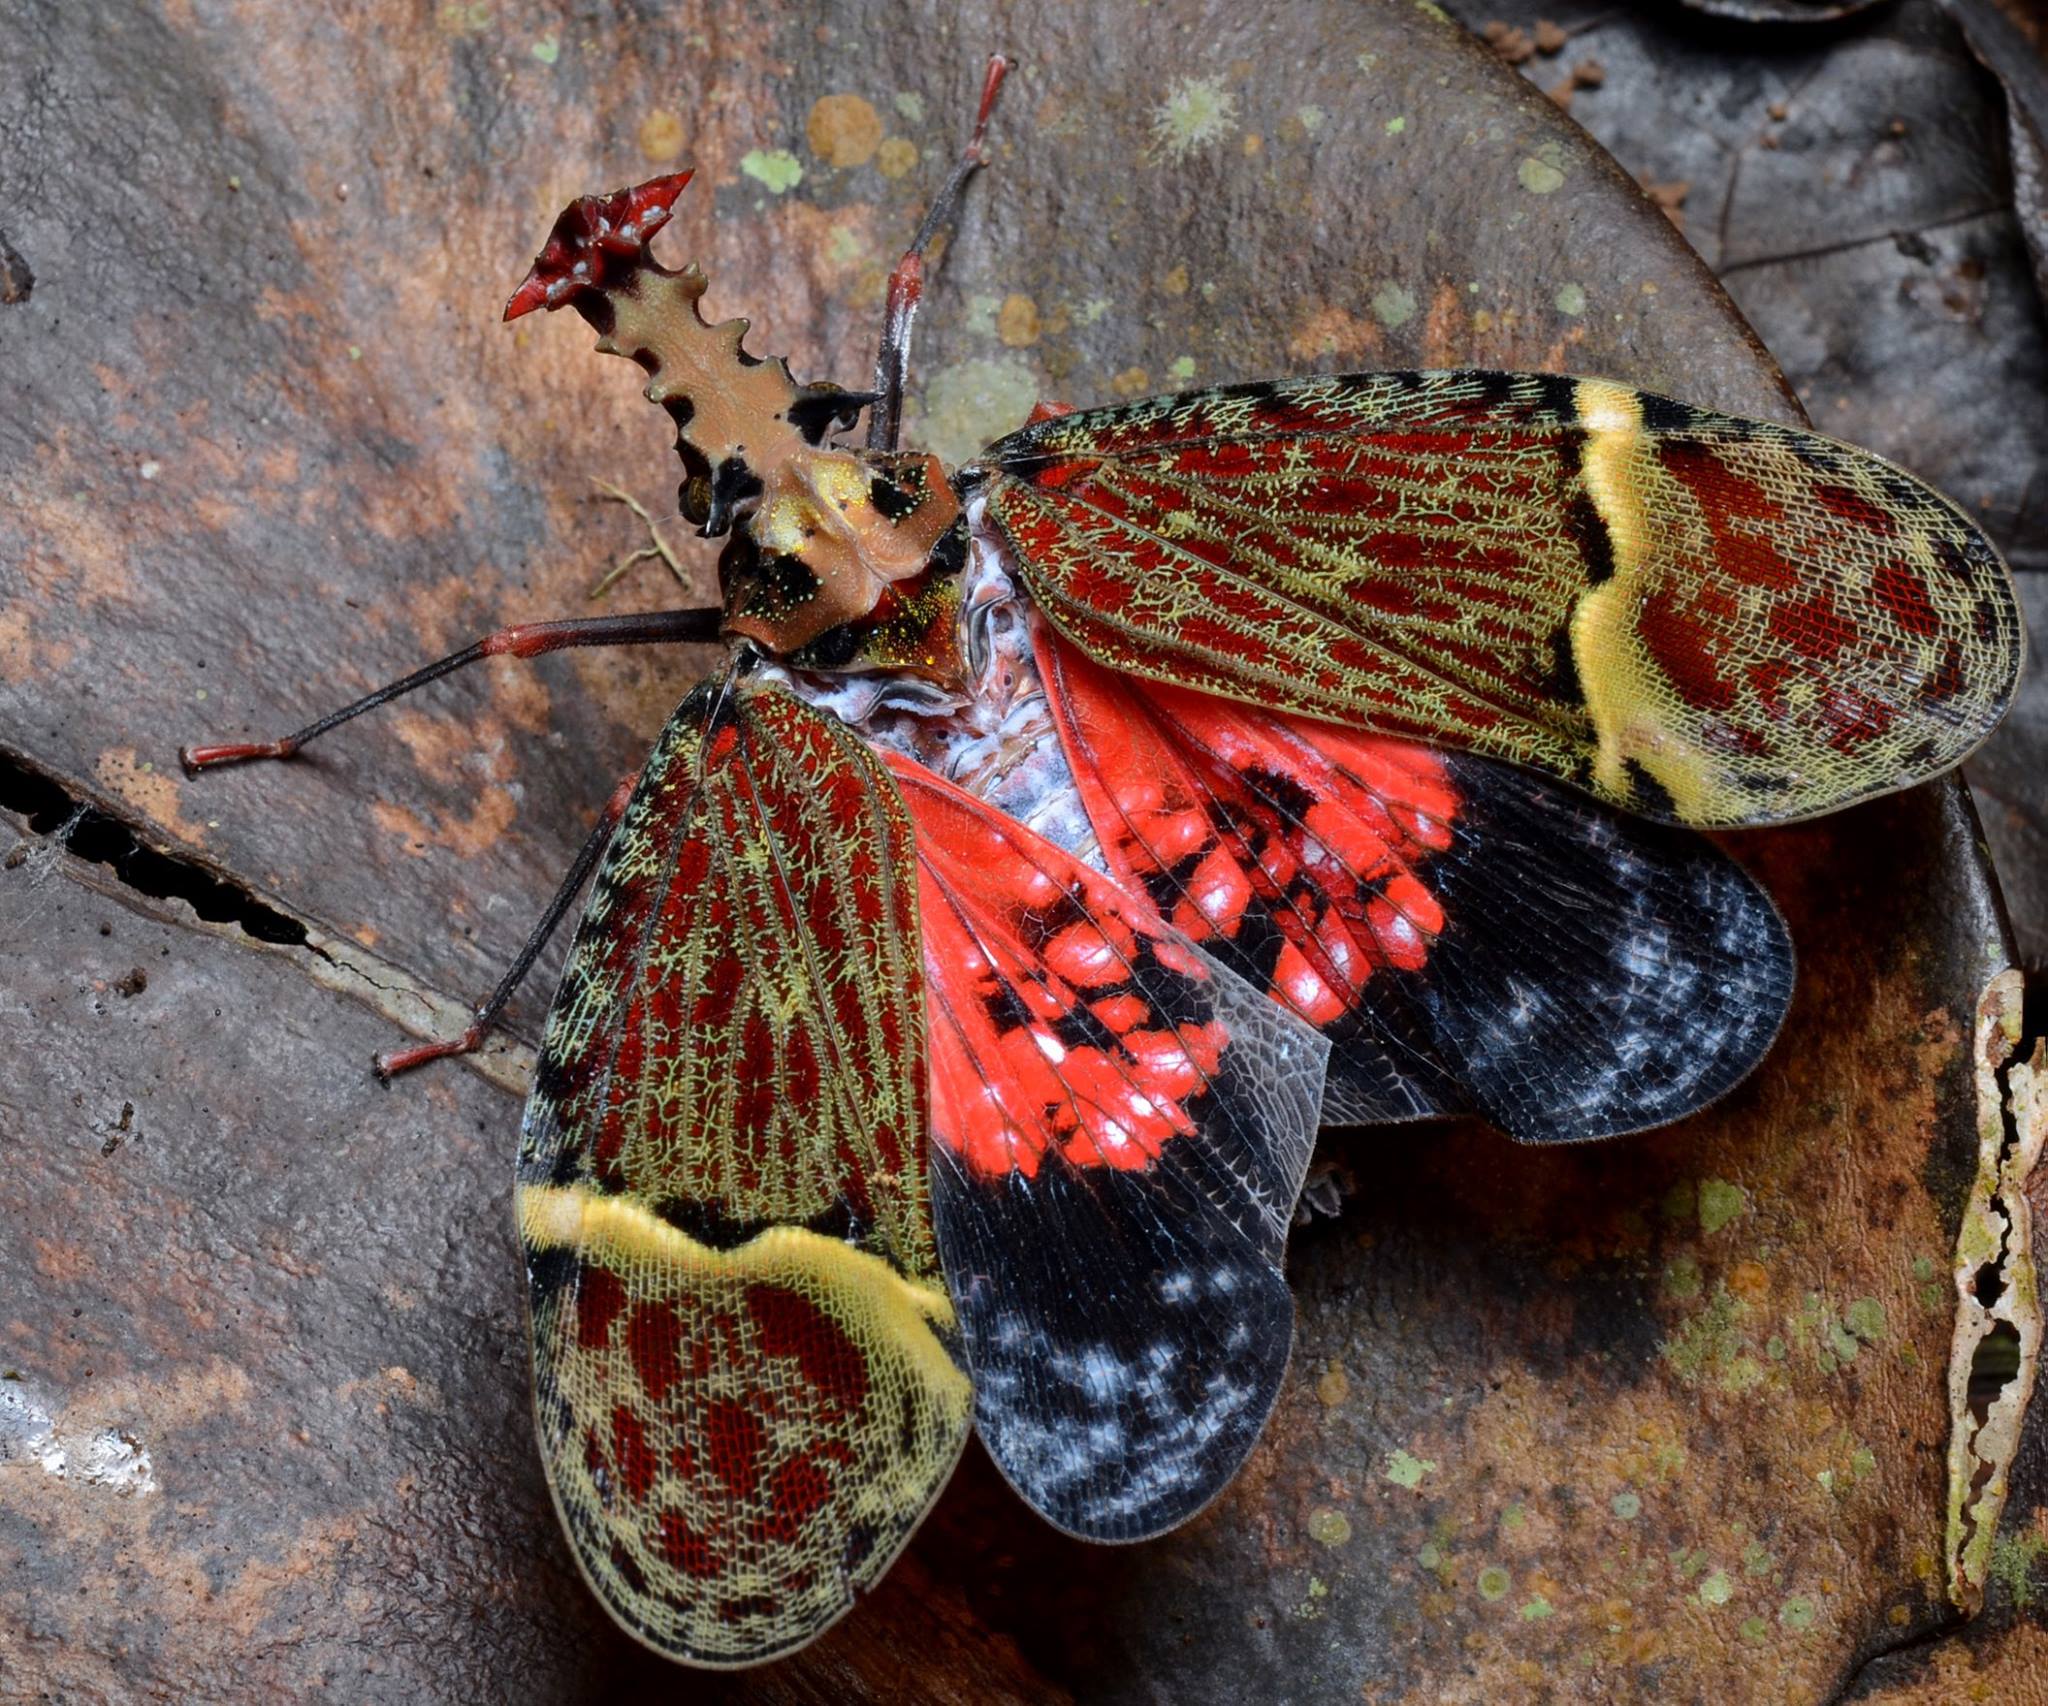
1621 688
615 1230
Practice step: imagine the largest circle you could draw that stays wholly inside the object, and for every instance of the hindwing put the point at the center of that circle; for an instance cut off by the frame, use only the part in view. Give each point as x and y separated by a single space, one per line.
1705 619
1469 937
1119 1134
747 1380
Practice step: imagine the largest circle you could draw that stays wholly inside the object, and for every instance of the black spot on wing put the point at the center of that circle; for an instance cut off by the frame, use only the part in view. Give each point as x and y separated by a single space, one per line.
1663 414
547 1273
1584 524
1648 795
1553 396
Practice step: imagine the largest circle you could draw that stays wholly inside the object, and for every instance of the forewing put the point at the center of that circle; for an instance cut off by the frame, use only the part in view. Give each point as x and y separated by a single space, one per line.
1704 619
1468 936
1119 1134
747 1380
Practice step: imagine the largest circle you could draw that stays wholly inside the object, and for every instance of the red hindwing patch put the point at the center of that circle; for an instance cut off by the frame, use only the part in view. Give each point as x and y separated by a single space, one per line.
1296 849
1119 1133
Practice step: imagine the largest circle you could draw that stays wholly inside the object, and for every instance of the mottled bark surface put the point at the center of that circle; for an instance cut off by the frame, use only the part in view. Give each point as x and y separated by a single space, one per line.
1666 1416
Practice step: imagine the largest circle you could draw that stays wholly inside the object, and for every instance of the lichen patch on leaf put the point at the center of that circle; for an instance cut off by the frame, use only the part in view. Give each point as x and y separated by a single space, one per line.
1197 113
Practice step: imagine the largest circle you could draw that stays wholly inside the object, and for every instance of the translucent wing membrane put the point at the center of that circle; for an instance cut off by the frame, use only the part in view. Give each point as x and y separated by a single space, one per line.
1705 619
1119 1134
1467 936
747 1379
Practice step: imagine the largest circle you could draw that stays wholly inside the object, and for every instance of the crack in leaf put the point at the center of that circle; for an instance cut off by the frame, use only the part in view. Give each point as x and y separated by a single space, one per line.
89 840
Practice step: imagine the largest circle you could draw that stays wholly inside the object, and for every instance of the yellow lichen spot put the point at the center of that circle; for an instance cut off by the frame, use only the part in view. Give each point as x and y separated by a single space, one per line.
896 158
1253 142
1175 283
1333 1386
1017 321
1405 1469
1750 1281
1329 1528
843 130
660 138
1720 1202
775 169
1132 382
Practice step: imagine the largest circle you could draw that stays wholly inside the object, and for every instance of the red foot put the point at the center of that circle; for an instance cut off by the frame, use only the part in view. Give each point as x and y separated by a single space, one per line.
392 1062
198 758
1047 411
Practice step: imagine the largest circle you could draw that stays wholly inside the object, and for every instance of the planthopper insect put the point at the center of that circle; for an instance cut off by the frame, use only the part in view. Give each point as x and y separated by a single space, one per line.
1067 835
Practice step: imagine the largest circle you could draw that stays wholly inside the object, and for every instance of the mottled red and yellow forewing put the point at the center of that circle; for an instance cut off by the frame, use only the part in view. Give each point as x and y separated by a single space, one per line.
1705 619
748 1380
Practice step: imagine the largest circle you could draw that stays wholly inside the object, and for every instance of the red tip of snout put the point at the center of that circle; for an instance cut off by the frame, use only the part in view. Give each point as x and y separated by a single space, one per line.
595 233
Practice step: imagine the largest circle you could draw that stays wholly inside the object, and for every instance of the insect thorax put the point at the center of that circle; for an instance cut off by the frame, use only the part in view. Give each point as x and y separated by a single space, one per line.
988 726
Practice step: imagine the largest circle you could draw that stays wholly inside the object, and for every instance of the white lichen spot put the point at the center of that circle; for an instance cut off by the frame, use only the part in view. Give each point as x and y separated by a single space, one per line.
1198 112
910 105
1570 299
972 403
1311 118
1397 124
1393 305
1542 172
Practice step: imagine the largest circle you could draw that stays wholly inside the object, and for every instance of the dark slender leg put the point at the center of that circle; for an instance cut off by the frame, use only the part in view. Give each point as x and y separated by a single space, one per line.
528 640
394 1061
906 283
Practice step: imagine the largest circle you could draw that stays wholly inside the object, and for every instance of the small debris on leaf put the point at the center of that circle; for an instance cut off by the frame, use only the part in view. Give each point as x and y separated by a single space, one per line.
16 280
1510 44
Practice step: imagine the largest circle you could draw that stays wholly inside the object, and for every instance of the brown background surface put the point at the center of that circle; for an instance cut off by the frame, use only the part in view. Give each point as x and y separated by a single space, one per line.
1663 1417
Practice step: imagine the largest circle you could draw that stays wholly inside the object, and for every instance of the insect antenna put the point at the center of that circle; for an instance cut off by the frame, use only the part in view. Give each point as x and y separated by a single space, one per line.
906 283
527 640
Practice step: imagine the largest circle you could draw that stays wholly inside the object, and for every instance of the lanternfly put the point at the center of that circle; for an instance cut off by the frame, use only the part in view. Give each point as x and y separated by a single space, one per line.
1067 835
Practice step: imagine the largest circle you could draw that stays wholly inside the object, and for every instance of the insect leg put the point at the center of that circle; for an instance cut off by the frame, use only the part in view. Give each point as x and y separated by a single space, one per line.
906 283
394 1061
528 640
